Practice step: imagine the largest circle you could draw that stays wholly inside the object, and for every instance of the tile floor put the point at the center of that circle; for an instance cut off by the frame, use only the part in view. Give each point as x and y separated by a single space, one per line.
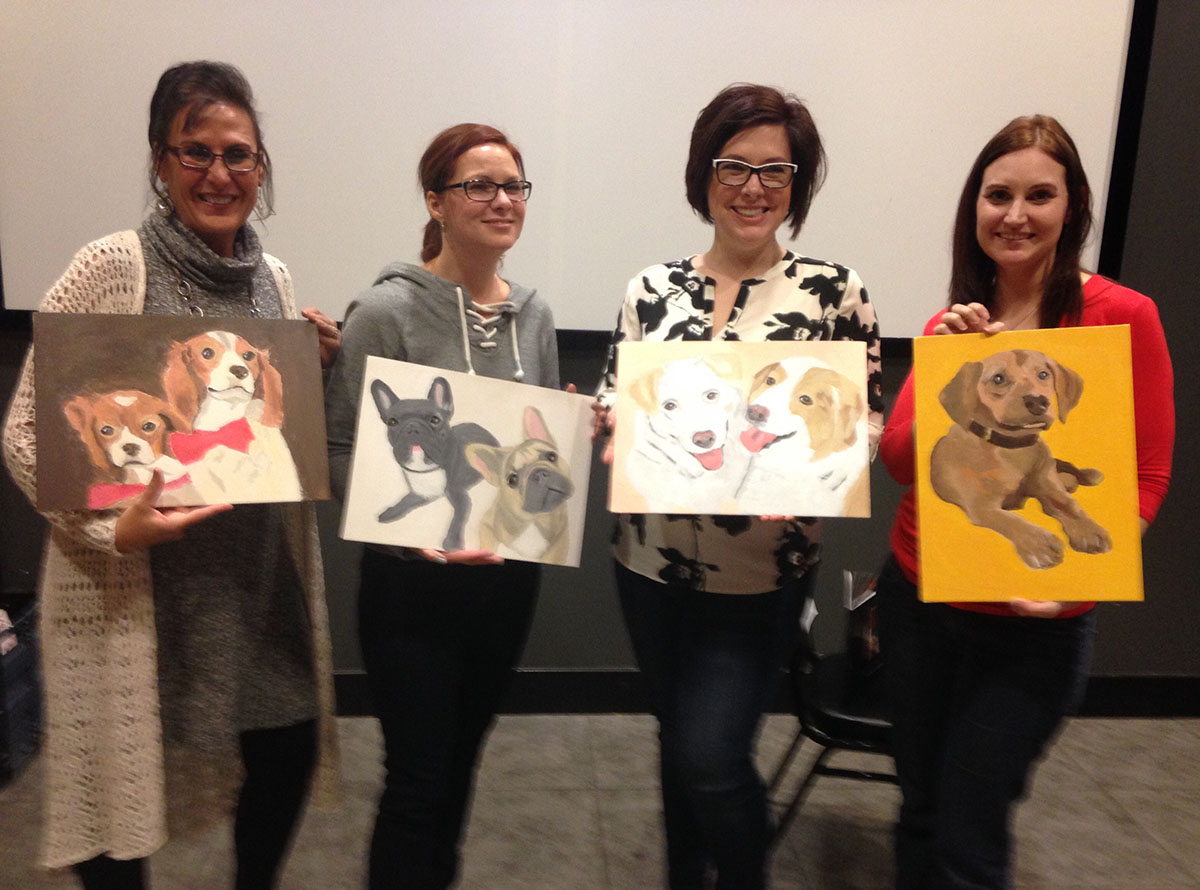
570 803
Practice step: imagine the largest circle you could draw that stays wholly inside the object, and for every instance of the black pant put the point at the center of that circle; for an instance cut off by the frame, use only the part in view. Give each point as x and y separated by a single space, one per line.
976 699
439 644
279 764
713 663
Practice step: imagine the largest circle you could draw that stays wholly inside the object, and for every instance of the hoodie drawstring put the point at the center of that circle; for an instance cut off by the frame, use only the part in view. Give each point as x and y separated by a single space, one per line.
486 325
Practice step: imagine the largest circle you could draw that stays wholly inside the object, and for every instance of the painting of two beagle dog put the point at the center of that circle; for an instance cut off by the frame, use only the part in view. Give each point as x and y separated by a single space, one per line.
742 428
453 461
1026 466
229 410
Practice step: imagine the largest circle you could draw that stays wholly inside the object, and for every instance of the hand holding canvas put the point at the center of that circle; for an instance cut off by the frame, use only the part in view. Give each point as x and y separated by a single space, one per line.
968 318
329 338
142 525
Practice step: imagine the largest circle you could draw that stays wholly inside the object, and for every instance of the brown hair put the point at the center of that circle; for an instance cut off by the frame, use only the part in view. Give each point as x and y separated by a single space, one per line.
195 86
741 106
437 166
973 274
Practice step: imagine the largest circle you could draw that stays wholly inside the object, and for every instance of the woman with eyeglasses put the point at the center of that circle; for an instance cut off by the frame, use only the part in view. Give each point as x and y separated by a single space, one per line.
978 690
188 640
442 630
712 603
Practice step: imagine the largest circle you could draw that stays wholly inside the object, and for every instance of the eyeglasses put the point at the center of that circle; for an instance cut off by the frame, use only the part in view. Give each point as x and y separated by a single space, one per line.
201 157
772 176
485 190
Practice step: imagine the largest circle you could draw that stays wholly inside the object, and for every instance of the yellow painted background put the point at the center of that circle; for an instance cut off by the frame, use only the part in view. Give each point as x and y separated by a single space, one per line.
961 562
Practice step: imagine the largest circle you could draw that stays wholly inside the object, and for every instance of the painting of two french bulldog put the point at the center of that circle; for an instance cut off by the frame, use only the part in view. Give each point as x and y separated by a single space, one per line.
452 461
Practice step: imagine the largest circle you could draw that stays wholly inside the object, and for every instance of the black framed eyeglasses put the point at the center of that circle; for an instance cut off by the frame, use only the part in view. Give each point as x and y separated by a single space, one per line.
484 190
772 176
200 157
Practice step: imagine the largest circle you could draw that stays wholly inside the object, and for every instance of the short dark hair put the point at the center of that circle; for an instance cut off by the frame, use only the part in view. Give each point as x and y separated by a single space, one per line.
741 106
437 166
195 86
973 273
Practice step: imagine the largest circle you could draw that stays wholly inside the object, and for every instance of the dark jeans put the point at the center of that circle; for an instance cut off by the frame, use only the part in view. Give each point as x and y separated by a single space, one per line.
976 698
712 661
439 644
279 764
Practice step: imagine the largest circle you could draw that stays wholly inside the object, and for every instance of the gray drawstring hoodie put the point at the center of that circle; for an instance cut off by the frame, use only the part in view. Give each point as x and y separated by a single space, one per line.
412 315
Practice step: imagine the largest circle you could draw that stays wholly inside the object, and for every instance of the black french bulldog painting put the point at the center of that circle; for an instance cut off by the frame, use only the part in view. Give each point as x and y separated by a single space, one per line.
431 453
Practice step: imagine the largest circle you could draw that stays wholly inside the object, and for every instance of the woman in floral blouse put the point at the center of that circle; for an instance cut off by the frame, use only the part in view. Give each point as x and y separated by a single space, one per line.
712 602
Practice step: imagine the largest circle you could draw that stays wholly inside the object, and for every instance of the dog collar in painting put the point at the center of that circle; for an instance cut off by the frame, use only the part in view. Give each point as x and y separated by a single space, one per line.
995 438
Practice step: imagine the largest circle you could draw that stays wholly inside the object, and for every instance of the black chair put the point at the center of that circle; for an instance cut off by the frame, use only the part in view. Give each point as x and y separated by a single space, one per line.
840 703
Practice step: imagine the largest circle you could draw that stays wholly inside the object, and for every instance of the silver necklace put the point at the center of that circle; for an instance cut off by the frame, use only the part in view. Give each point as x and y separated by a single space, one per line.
183 287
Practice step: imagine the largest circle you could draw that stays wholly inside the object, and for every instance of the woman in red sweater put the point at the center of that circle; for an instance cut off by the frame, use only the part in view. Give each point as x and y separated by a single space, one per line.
978 690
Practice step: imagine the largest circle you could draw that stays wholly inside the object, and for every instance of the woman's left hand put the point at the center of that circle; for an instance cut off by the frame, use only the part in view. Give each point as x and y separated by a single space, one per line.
1037 608
968 318
328 335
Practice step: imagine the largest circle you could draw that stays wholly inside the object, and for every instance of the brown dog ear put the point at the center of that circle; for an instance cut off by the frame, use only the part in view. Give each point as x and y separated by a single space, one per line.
269 388
645 390
174 420
960 397
79 414
842 412
488 460
179 384
535 426
724 365
850 402
1068 388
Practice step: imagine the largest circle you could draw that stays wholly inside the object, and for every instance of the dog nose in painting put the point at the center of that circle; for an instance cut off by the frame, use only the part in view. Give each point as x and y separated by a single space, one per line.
704 439
239 371
758 414
1036 404
131 448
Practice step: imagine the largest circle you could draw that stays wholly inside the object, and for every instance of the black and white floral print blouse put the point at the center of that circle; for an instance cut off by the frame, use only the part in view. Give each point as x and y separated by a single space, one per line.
797 299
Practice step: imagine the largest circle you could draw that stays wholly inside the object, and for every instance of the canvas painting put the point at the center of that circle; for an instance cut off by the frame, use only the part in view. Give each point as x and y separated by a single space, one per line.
229 409
453 461
742 428
1026 466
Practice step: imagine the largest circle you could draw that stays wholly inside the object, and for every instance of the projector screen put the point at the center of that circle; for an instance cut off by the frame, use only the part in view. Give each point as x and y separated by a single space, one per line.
600 97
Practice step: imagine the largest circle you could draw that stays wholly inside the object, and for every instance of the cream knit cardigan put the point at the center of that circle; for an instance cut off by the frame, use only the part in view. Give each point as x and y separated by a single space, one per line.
104 780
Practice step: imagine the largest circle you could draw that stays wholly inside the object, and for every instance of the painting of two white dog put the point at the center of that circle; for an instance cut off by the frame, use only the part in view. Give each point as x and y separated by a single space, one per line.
742 428
227 410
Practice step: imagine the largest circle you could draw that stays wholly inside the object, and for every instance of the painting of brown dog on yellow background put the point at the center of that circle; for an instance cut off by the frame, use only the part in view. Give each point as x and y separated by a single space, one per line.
229 410
1026 466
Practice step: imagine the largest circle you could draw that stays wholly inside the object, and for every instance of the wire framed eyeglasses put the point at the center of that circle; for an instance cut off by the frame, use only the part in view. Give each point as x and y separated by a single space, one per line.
198 156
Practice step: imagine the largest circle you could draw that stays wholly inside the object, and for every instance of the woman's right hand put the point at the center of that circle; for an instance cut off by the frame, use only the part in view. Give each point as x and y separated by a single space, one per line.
458 557
142 525
968 318
603 424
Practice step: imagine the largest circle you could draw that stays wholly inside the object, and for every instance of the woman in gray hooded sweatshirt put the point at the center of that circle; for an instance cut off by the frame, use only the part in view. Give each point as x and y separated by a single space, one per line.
442 630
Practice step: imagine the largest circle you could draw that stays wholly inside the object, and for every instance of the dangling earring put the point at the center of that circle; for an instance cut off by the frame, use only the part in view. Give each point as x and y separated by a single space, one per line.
162 199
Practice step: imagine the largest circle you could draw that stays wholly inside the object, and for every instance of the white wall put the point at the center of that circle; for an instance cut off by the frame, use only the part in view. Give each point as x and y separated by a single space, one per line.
600 96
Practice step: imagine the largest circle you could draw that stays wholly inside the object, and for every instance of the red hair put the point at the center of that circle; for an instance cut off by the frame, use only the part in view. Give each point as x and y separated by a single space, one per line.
437 166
